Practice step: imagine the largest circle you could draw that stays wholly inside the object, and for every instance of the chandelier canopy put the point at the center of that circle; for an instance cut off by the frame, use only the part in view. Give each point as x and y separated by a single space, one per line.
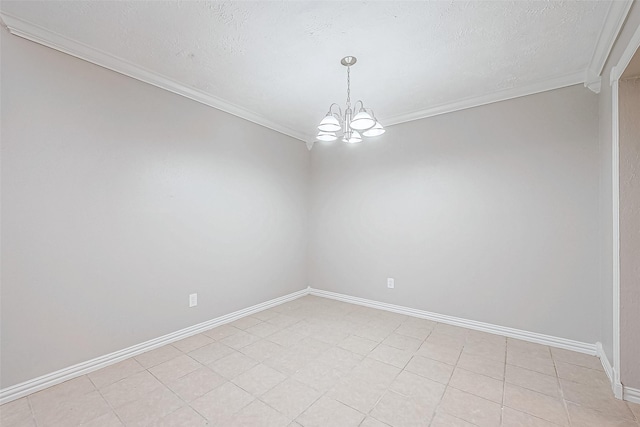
351 127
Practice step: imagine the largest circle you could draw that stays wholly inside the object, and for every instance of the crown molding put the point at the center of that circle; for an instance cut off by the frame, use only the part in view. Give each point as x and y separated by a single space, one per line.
503 95
616 16
35 33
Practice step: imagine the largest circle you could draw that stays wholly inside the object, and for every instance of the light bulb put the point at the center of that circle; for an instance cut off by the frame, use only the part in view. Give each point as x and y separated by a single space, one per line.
354 138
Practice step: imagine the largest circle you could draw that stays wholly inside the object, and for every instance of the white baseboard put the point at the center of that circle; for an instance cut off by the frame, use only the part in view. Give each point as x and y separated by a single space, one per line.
608 369
20 390
549 340
631 394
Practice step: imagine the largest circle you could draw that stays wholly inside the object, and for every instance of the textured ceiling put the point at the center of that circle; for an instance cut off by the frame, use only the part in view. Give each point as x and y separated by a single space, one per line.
281 60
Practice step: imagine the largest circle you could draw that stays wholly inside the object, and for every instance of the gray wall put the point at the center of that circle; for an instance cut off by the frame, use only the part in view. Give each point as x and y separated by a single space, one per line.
119 199
629 112
488 214
606 197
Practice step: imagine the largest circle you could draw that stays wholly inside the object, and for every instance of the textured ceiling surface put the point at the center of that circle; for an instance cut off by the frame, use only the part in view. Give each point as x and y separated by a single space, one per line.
281 60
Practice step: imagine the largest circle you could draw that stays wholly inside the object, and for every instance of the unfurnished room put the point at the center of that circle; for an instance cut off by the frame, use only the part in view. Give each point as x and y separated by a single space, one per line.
320 213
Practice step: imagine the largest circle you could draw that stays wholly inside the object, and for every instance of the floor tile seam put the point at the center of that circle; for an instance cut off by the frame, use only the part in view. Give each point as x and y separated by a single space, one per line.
31 412
580 366
322 394
105 400
455 366
535 416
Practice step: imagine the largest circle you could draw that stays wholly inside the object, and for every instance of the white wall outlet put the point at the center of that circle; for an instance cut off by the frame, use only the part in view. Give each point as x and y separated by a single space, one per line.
391 283
193 300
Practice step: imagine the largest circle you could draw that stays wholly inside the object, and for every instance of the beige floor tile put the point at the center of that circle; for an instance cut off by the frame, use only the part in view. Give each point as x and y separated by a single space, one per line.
131 388
471 408
157 356
513 418
446 340
523 360
340 359
412 385
372 422
210 353
263 350
29 422
529 348
414 331
403 342
357 393
150 408
442 419
328 412
290 362
448 355
397 410
259 379
477 384
576 358
221 332
240 339
15 412
374 372
174 368
291 397
222 402
319 376
357 345
263 329
193 342
195 384
109 375
258 414
536 404
391 355
595 398
432 369
580 374
73 411
265 314
286 337
417 322
635 408
245 323
533 380
183 417
586 417
53 396
331 336
474 336
377 334
487 349
482 365
283 321
110 419
455 331
233 365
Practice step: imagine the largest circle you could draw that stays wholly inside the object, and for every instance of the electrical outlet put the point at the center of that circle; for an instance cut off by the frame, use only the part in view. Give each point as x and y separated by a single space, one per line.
391 283
193 300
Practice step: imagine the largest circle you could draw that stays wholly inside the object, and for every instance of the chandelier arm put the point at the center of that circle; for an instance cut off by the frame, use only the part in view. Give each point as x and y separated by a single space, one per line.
339 110
361 106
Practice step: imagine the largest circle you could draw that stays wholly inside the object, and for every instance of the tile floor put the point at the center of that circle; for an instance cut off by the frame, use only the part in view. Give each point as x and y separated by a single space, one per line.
318 362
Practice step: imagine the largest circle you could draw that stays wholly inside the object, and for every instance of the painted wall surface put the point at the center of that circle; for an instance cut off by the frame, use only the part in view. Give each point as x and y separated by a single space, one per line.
489 214
606 195
119 199
629 112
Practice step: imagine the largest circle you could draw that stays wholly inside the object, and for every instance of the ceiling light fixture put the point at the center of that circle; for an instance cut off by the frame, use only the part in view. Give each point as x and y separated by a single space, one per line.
351 126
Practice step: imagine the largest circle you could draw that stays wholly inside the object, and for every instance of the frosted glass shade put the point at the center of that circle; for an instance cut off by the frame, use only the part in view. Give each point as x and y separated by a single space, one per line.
354 138
375 131
326 136
362 121
329 124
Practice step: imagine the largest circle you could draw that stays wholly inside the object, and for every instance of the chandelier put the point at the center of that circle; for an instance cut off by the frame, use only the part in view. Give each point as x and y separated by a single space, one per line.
352 127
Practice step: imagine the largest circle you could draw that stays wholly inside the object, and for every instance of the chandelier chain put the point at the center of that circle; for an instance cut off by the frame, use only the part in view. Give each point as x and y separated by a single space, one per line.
348 87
